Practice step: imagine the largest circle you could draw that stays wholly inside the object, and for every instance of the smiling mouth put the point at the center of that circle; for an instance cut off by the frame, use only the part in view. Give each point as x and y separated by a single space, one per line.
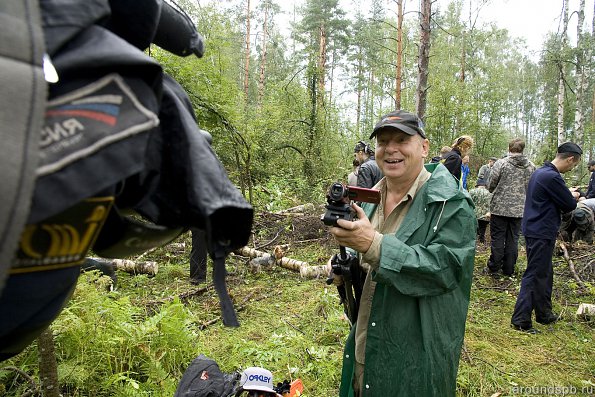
393 161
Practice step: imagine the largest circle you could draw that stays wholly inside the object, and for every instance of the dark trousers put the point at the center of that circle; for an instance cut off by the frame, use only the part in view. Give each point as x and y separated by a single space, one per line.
536 285
504 233
198 256
482 225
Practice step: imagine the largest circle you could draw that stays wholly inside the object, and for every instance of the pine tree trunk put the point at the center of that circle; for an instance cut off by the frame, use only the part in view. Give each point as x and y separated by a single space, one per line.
321 64
360 77
423 59
247 54
399 70
48 367
263 59
581 83
561 87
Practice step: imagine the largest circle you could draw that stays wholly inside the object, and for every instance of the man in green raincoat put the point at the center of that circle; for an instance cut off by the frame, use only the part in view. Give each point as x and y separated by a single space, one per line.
419 244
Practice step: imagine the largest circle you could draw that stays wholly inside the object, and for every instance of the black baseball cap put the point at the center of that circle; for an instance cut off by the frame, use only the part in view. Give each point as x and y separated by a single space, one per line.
362 146
401 120
580 216
570 147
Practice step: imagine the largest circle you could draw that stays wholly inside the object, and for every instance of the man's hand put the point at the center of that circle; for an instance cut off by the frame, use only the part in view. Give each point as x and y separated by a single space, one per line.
358 234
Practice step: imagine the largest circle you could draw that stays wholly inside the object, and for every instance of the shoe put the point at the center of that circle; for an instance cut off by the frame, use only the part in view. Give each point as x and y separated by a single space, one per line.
194 281
549 319
527 330
490 273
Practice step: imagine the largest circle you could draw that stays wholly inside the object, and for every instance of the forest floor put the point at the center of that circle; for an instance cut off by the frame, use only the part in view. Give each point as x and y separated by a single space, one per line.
295 327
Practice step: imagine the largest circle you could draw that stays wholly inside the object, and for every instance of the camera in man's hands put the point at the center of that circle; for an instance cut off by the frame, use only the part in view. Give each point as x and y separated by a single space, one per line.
339 199
345 264
338 206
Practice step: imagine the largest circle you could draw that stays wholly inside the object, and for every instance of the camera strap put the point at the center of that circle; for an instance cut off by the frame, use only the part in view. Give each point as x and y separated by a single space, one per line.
228 313
350 305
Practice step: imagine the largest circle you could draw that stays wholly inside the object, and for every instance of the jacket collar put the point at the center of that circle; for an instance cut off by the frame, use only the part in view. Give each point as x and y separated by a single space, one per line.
438 188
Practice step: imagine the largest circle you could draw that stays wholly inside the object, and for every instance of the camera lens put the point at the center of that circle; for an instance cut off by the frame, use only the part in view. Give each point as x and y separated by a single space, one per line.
337 192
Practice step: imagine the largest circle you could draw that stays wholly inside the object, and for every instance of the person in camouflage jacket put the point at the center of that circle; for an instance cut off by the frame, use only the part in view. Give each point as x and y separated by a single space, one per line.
481 198
508 183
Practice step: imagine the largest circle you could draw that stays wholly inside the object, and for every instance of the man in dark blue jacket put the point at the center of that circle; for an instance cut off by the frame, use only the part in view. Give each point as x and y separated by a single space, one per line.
591 189
547 197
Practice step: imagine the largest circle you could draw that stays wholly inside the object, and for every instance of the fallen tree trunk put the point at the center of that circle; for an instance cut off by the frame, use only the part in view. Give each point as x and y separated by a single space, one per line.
133 267
304 268
301 209
128 266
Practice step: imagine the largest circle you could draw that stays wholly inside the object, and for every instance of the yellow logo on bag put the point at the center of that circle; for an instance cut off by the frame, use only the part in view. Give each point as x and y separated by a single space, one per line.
62 240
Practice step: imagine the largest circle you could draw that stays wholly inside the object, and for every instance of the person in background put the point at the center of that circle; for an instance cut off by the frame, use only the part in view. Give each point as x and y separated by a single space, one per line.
588 202
368 173
578 224
440 157
481 198
453 160
419 244
352 177
464 171
508 184
547 198
484 170
591 188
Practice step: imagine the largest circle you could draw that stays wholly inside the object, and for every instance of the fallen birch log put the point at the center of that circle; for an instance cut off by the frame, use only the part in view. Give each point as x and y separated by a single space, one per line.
586 310
151 268
299 209
304 268
133 267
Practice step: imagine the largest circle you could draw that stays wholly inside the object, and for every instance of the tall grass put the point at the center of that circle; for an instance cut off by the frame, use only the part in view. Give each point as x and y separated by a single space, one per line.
140 339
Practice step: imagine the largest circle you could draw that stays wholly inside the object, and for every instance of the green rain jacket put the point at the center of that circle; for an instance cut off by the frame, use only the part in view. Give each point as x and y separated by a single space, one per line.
420 303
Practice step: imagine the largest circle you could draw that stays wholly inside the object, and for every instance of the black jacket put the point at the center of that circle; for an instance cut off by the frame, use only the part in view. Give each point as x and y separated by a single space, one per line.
591 189
453 162
547 197
369 174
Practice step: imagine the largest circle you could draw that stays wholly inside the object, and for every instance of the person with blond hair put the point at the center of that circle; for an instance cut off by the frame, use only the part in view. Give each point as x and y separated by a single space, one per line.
453 160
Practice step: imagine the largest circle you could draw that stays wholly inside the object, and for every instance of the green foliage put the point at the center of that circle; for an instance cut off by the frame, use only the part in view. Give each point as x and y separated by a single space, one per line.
482 83
137 348
139 341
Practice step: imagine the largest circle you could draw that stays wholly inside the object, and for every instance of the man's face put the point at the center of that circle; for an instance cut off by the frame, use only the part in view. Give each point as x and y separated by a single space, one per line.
359 156
490 163
592 168
569 163
400 156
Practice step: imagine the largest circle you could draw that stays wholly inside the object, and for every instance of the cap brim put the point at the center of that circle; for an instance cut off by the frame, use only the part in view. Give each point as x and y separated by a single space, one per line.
260 388
403 128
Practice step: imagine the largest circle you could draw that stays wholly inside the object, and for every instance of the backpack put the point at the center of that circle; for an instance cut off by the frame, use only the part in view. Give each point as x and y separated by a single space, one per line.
203 378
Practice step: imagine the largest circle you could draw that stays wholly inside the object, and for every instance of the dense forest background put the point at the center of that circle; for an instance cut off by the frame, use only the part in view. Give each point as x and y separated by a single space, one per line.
286 97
